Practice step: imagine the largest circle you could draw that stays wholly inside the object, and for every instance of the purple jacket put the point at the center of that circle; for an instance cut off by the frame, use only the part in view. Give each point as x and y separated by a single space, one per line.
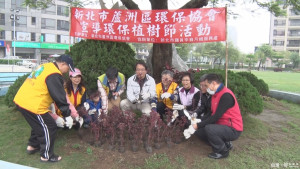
186 98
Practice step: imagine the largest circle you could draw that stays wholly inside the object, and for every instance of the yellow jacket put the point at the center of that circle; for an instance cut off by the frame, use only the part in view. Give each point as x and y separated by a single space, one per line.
159 90
33 95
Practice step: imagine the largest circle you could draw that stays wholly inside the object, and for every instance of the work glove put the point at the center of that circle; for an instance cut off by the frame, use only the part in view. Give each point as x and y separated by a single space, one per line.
69 122
86 106
60 122
93 111
195 121
178 106
165 95
188 132
145 96
103 111
79 120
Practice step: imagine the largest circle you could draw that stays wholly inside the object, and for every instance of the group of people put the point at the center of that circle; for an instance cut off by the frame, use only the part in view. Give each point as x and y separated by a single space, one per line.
213 110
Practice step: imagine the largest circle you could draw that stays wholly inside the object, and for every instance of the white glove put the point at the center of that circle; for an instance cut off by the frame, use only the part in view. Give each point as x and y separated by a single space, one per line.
60 122
80 121
175 115
69 122
86 105
93 111
188 132
195 121
104 111
99 112
145 96
165 95
178 107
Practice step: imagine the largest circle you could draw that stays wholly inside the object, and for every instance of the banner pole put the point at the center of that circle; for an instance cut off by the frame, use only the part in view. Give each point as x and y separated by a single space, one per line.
226 55
70 24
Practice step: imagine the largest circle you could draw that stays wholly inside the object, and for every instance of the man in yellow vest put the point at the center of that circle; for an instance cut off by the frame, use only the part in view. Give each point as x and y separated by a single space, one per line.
42 87
113 82
166 92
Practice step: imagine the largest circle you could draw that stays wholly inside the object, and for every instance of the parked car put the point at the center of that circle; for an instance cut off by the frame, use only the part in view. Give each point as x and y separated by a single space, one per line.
27 63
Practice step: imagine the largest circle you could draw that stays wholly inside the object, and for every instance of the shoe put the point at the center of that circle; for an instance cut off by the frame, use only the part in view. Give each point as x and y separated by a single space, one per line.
224 154
229 145
86 126
54 158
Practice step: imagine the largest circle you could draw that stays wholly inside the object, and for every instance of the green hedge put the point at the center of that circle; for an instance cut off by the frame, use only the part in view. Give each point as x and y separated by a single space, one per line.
259 84
248 97
93 57
13 89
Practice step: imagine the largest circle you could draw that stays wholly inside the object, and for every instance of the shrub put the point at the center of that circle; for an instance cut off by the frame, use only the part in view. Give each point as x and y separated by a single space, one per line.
93 57
277 70
12 91
259 84
247 96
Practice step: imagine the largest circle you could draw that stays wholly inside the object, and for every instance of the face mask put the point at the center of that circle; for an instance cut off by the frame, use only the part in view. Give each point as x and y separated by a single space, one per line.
211 92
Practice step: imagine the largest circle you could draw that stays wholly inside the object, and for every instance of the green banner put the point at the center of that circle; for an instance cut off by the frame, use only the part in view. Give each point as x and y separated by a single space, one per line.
40 45
54 46
26 45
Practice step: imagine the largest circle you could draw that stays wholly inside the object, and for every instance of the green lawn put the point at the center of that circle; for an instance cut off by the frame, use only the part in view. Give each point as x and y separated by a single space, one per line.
284 81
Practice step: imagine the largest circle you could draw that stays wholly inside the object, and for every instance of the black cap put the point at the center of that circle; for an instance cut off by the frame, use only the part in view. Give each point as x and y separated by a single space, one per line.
68 60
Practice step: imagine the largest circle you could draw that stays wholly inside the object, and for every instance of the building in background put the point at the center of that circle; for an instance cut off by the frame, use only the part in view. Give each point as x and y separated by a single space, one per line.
285 31
39 32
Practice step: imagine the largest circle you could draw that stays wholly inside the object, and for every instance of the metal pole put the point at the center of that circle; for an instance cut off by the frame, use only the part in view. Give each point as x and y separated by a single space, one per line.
226 55
14 34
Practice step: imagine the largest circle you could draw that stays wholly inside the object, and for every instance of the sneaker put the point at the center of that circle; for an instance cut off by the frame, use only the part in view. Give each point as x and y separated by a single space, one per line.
229 145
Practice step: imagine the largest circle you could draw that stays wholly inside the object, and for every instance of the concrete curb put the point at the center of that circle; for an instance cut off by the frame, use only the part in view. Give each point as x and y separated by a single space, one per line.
292 97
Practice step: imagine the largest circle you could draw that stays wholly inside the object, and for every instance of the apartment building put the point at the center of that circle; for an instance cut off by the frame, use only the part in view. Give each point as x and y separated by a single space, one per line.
285 31
39 32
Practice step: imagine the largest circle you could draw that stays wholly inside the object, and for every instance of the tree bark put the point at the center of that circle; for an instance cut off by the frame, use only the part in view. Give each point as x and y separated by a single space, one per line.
130 4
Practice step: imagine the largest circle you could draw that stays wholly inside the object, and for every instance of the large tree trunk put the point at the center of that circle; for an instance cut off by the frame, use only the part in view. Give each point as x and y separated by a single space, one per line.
162 53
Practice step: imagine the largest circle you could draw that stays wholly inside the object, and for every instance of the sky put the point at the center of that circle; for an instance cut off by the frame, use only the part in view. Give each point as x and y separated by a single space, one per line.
247 30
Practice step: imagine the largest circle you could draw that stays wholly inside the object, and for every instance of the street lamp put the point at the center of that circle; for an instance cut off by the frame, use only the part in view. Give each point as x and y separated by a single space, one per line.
14 18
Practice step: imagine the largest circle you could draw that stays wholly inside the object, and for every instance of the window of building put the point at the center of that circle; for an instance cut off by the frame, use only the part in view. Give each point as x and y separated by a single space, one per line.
50 10
42 37
58 38
278 32
2 4
295 22
62 25
62 10
2 19
33 20
21 22
32 37
2 34
17 4
48 23
294 12
278 43
279 22
294 33
293 43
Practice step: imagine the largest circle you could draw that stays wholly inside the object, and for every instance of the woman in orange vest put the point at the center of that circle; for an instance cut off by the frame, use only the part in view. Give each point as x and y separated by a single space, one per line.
76 96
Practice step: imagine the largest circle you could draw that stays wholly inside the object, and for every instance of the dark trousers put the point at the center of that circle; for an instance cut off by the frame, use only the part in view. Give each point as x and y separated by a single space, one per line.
43 131
161 109
216 135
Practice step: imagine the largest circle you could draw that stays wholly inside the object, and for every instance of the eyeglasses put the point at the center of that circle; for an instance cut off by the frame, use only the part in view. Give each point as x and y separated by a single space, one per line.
202 86
140 70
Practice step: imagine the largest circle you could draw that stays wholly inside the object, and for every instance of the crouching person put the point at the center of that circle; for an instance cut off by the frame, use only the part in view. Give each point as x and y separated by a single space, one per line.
140 91
93 108
225 123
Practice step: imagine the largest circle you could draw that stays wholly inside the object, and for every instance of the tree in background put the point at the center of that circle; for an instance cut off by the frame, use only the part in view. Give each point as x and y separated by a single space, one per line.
280 58
183 50
251 59
295 59
262 53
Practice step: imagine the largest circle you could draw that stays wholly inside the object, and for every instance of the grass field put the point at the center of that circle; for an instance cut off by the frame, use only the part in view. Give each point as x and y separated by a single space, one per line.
283 81
262 144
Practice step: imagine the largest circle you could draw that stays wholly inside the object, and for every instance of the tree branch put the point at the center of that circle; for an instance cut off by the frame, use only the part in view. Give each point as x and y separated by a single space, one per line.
130 4
195 4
